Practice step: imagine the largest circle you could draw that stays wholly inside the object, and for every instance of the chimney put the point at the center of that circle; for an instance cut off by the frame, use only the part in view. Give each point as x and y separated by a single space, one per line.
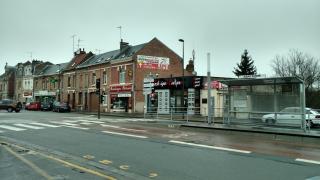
123 45
190 66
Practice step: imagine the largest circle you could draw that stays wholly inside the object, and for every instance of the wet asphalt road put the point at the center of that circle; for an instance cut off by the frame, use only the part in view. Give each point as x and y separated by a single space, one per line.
147 153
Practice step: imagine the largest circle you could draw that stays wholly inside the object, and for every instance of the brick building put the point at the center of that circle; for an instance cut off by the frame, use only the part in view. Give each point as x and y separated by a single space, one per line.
7 83
122 74
46 82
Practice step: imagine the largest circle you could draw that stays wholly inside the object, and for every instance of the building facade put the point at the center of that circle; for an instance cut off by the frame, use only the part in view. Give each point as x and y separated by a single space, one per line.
7 83
121 73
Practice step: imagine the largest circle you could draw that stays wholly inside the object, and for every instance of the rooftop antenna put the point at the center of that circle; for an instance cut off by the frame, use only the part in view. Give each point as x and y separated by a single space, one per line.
79 40
30 55
98 50
73 36
120 29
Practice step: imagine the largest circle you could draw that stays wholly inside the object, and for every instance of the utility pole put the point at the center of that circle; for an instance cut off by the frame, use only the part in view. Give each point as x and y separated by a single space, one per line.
120 29
79 40
73 36
209 90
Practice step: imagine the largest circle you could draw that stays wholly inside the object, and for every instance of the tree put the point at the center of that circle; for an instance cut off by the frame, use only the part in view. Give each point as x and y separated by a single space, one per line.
303 66
299 64
246 66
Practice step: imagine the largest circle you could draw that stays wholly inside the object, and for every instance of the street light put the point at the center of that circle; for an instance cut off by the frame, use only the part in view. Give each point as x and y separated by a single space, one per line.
181 40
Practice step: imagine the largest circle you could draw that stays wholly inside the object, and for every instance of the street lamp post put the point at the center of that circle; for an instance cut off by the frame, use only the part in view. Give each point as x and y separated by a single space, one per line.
181 40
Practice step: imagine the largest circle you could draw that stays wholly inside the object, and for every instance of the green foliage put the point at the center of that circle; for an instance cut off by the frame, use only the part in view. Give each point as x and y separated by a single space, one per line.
246 66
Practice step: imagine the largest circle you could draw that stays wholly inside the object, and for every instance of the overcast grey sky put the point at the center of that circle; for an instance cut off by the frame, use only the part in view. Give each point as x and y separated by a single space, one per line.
222 27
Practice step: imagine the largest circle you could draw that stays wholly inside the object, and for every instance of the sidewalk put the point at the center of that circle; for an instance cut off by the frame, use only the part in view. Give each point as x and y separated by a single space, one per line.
217 126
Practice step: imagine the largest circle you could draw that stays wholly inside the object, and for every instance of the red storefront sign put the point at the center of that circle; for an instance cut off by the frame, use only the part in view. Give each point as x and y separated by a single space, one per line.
121 88
214 85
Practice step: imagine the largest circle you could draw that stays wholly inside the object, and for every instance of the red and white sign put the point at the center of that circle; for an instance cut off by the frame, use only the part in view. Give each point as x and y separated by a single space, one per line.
121 88
214 85
153 62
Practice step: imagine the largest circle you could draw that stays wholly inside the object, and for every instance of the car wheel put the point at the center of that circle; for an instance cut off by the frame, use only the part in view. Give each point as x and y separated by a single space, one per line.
17 110
270 121
9 109
310 123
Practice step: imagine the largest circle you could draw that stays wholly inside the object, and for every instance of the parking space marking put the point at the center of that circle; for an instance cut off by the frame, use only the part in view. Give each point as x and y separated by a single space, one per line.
211 147
29 126
124 134
11 128
43 124
308 161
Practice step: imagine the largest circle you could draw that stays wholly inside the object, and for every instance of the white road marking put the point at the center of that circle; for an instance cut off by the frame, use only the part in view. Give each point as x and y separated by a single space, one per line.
77 127
91 121
29 126
308 161
11 128
43 124
124 134
86 123
211 147
63 123
117 127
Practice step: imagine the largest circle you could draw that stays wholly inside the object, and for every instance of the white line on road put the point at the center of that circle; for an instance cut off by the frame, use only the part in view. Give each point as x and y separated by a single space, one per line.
63 123
117 127
308 161
43 124
124 134
86 123
211 147
29 126
11 128
91 121
77 127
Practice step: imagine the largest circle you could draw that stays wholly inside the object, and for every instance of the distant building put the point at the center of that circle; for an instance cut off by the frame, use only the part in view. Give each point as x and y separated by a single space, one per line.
7 82
47 83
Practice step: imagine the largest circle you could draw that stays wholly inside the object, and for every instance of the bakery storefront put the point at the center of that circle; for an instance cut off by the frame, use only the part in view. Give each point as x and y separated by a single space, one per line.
168 94
121 98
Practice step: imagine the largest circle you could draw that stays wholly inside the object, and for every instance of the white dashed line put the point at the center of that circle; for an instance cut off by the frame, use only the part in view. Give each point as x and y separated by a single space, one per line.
75 127
124 134
127 129
308 161
211 147
29 126
11 128
45 125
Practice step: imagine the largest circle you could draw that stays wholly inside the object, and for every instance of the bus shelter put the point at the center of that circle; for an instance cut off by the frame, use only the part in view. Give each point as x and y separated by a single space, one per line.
275 102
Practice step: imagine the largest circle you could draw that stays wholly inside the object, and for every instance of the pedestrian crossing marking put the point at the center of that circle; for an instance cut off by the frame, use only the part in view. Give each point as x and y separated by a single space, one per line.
77 127
11 128
43 124
28 126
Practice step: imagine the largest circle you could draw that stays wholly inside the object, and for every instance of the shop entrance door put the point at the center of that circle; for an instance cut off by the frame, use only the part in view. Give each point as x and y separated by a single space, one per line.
163 101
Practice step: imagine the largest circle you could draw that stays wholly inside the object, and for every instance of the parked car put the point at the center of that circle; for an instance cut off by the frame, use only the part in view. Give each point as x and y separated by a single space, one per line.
61 107
46 106
292 116
10 105
34 106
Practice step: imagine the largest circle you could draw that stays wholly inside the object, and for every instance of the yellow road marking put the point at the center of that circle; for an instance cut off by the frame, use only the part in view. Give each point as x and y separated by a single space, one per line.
152 175
29 163
68 164
79 167
105 161
89 157
124 167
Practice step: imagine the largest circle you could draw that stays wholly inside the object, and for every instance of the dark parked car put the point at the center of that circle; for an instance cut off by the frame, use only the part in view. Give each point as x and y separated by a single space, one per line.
61 107
10 105
46 106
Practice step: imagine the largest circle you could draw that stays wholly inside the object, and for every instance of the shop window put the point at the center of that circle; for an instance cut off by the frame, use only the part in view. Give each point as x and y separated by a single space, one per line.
122 75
